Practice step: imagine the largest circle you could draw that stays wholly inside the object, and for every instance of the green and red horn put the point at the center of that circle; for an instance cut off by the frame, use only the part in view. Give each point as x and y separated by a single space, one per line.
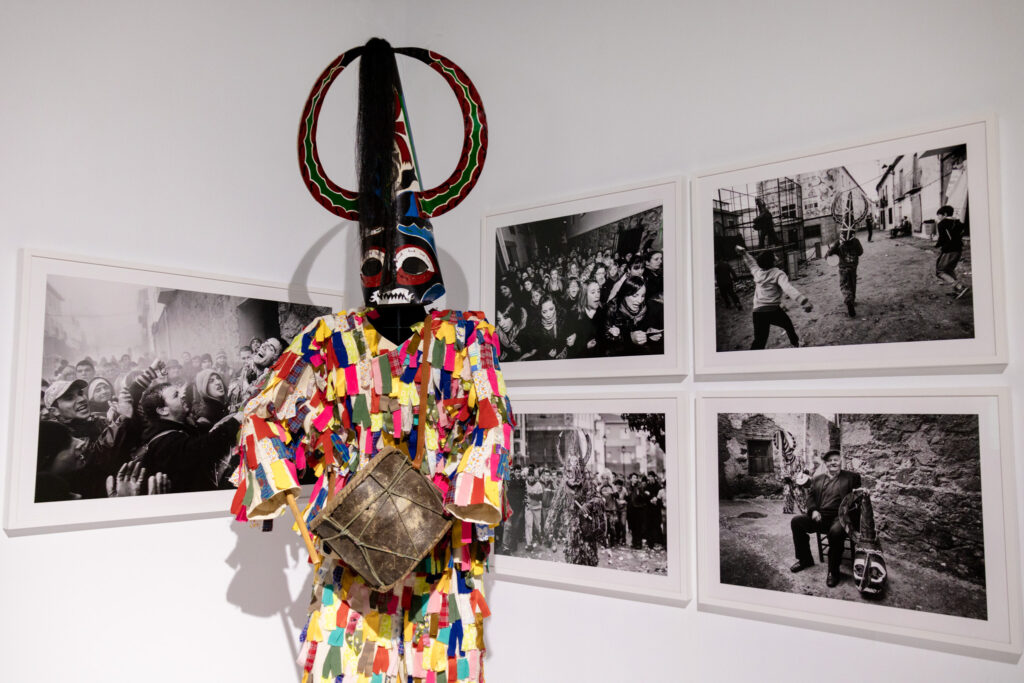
432 202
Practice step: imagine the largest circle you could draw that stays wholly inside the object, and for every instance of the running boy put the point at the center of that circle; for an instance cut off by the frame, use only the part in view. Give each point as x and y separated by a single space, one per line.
770 284
849 250
951 245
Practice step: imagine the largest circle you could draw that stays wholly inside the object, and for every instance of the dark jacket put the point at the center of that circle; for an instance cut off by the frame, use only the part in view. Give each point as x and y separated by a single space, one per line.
187 456
848 481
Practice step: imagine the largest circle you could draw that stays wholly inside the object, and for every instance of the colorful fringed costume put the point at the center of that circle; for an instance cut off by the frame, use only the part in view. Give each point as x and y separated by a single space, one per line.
337 396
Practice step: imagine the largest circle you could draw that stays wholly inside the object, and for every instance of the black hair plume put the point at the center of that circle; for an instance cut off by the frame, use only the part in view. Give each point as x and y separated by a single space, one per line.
375 137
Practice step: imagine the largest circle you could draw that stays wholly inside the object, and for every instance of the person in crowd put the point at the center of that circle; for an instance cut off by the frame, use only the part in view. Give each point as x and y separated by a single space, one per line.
824 495
654 274
635 501
205 362
725 279
192 460
555 283
950 244
514 530
571 296
95 438
56 463
209 404
534 509
770 283
601 277
85 370
621 506
849 250
508 335
549 337
764 224
870 223
610 495
611 279
652 511
634 325
99 392
589 323
175 375
244 355
221 365
547 478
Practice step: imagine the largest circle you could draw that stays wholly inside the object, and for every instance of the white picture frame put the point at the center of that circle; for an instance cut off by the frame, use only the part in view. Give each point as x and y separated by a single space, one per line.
671 588
726 354
609 206
22 514
995 635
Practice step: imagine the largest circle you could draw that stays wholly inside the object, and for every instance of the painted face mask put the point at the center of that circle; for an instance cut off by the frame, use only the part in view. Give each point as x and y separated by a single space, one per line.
398 260
858 519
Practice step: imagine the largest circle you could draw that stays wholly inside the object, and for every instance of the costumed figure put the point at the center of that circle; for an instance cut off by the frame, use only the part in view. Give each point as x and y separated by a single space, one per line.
355 388
795 476
858 518
849 208
577 507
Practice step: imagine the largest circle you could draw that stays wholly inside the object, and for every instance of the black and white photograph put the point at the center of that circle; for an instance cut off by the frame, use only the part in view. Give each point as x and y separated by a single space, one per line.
865 253
595 494
591 490
877 512
870 257
575 285
139 385
884 508
588 285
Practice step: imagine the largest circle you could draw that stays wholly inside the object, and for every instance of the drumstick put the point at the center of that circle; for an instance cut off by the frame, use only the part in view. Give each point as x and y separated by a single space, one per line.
313 554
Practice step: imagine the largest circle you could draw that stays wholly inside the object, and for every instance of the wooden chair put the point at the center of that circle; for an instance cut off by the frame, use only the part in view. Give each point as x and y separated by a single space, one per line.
823 548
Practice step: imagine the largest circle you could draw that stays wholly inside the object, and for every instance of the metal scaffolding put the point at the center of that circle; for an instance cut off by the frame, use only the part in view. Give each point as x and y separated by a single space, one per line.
767 215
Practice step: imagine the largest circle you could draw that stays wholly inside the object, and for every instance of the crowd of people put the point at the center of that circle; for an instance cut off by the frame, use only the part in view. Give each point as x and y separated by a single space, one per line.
129 426
582 304
632 510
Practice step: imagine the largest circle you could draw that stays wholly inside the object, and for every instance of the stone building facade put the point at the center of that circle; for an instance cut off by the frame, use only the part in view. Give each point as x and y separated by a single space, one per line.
924 474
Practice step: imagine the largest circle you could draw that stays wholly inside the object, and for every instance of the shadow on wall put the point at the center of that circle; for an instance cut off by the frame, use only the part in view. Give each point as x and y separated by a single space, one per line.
262 562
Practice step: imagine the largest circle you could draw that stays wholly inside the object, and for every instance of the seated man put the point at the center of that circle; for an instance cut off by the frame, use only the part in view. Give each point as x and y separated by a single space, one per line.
825 493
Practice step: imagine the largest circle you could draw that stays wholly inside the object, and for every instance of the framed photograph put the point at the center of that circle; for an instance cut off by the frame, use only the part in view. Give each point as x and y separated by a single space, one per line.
126 377
590 286
598 495
889 515
863 260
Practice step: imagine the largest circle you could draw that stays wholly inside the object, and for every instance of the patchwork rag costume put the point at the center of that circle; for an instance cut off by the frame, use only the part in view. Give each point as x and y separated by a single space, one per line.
336 397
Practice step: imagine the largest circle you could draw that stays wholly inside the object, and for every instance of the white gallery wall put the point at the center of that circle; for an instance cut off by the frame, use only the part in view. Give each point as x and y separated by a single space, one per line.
164 133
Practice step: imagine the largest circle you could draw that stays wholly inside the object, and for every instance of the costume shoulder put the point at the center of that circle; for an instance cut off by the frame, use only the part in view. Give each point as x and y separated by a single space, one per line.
462 328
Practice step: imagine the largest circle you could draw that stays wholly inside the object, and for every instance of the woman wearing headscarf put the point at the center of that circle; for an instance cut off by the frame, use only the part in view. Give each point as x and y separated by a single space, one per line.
634 325
100 392
210 395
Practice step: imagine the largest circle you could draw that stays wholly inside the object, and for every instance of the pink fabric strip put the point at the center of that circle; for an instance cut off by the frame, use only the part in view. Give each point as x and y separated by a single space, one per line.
323 419
397 415
463 489
378 385
351 380
449 357
474 665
